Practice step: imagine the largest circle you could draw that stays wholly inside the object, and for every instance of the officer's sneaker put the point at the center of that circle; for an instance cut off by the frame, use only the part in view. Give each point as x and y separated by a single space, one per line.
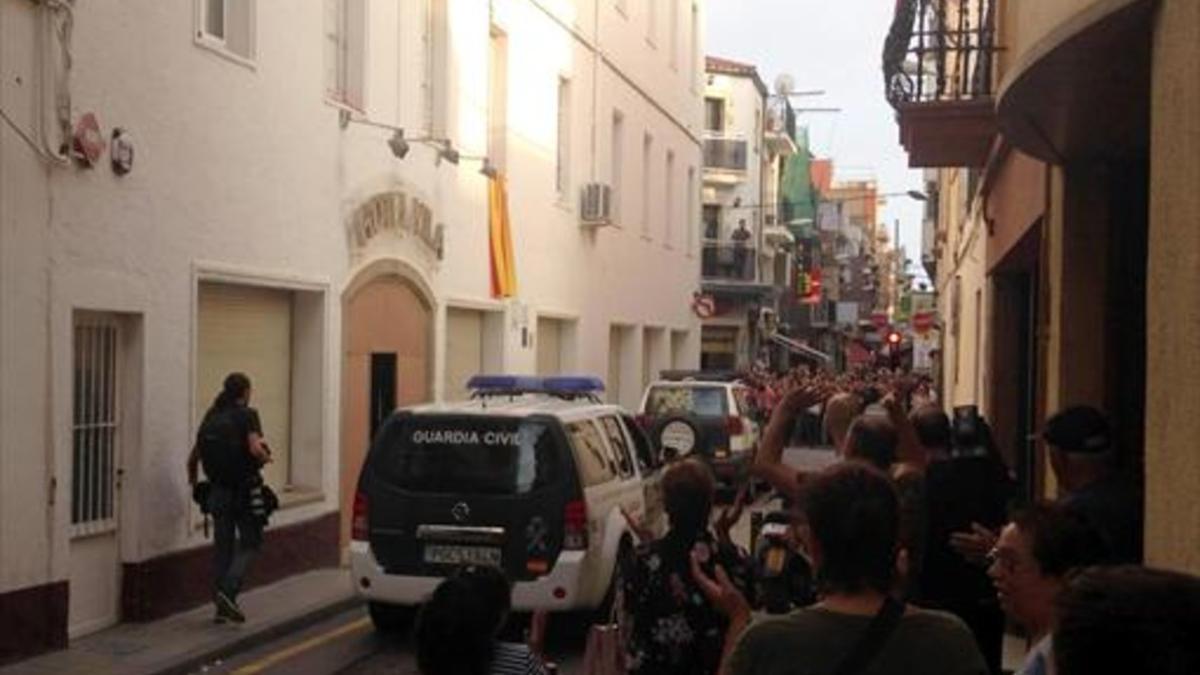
227 609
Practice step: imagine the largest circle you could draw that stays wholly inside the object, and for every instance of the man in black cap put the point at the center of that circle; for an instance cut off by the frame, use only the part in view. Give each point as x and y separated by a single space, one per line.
1083 458
1084 462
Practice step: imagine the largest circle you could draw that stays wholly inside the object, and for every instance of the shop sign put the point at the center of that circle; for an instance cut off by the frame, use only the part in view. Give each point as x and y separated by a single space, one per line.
399 212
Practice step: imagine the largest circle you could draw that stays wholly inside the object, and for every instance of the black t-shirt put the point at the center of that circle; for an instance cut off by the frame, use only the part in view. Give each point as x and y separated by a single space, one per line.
230 462
958 492
1113 506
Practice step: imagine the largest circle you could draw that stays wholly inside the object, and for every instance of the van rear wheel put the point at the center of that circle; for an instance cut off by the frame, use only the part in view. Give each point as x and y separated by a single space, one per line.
391 619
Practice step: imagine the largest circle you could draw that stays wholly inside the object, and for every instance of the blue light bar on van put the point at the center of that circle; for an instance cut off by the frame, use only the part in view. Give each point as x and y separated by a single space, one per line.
506 383
573 384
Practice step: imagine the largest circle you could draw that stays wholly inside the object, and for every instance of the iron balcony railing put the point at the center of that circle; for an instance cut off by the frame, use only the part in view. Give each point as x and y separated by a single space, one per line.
781 118
940 50
728 262
721 152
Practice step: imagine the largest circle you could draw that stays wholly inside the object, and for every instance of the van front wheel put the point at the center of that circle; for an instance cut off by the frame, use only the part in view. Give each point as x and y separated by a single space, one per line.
391 619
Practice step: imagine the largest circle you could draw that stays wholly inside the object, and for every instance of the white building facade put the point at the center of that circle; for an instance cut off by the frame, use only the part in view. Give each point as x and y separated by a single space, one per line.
736 267
264 224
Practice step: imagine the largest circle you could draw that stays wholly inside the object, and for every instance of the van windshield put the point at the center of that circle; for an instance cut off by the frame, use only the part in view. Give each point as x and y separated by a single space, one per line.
687 400
465 454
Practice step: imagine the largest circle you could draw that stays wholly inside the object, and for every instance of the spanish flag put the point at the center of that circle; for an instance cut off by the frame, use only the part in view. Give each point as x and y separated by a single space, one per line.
504 266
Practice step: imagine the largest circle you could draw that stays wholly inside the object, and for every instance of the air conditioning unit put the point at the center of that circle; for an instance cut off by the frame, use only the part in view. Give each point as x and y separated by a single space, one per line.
595 208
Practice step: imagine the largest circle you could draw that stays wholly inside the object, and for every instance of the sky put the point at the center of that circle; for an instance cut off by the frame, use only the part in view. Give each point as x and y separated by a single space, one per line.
835 46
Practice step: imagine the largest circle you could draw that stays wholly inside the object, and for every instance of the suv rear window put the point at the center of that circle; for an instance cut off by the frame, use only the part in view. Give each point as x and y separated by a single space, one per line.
473 455
680 400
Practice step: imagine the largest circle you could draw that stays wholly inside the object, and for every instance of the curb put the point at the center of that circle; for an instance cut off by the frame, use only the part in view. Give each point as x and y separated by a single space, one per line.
193 661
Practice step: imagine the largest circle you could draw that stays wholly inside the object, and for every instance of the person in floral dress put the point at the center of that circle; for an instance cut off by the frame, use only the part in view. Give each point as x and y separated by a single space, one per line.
668 625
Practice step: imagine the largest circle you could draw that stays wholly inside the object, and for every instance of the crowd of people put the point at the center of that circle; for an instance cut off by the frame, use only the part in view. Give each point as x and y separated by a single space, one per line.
913 550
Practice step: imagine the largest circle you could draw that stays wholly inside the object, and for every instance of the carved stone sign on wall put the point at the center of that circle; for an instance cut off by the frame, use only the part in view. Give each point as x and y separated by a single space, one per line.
399 212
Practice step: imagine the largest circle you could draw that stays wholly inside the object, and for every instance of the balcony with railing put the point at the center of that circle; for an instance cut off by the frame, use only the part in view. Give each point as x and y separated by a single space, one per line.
729 266
939 69
781 126
725 154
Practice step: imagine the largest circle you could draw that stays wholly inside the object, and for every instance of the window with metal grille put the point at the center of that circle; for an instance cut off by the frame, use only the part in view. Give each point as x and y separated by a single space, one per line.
95 459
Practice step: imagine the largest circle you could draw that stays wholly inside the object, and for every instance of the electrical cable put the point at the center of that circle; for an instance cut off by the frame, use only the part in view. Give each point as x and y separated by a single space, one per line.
37 148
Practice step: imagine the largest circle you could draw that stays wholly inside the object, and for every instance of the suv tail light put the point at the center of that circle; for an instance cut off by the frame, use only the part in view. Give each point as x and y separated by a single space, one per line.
358 522
734 425
575 525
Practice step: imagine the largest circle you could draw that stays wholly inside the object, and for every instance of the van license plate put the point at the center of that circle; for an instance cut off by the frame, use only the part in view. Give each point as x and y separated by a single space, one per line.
437 554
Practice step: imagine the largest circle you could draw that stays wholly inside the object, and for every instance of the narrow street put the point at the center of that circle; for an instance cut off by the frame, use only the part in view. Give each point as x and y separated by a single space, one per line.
315 312
348 643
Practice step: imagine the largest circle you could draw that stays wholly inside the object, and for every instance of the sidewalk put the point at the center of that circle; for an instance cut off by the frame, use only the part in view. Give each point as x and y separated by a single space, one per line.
183 642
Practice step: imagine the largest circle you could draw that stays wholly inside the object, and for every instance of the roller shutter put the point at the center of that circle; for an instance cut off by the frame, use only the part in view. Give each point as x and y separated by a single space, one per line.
549 347
249 329
464 351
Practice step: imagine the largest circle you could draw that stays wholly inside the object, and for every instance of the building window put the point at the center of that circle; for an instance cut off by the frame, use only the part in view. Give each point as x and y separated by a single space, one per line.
647 147
978 343
556 341
757 129
345 51
669 198
679 340
435 74
652 21
673 30
712 222
693 49
227 26
498 99
95 457
617 155
562 176
714 114
276 337
474 345
214 18
689 208
955 315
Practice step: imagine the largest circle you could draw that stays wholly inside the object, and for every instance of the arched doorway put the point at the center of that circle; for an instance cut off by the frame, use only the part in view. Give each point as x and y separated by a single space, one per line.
387 363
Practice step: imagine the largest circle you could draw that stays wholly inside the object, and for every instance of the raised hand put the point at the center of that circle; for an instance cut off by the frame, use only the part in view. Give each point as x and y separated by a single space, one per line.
974 545
730 515
721 592
636 526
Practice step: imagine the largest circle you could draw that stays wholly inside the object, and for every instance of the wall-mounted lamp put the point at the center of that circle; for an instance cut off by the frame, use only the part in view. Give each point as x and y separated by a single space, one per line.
400 144
448 153
486 167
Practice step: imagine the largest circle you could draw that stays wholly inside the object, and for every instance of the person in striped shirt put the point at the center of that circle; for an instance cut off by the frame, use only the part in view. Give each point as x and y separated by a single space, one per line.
457 629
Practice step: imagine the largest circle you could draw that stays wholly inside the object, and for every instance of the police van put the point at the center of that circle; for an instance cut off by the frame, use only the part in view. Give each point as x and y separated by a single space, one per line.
530 475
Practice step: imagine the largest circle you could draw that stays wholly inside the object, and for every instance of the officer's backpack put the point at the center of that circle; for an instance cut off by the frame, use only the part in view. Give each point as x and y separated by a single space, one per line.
222 449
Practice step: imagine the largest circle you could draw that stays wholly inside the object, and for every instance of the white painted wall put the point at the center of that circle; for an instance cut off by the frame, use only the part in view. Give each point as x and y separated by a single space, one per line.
243 172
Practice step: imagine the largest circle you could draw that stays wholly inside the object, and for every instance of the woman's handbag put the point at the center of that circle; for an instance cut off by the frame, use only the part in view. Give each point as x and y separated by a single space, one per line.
603 654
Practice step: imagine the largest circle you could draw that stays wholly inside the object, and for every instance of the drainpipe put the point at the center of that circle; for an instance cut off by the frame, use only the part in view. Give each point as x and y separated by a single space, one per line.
595 80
